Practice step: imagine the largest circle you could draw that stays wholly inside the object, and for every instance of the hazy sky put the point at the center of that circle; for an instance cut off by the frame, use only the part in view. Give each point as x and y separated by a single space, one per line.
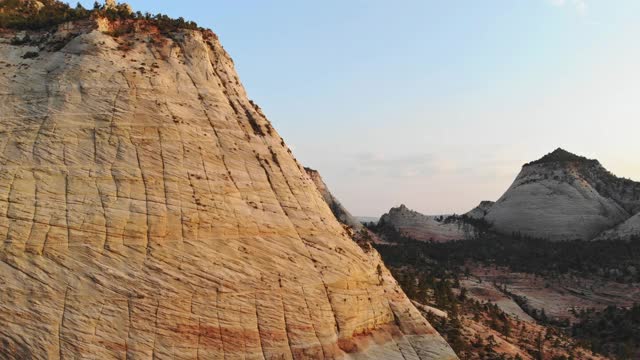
435 104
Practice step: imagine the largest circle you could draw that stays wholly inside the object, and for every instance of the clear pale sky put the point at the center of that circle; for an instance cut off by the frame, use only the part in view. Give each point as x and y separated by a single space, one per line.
435 104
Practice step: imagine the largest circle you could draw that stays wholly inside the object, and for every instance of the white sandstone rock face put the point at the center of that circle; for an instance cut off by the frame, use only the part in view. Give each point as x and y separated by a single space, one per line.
626 231
148 210
426 228
564 197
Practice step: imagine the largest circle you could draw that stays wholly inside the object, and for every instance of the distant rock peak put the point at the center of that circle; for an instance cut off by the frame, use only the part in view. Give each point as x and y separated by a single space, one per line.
424 227
560 155
403 210
564 196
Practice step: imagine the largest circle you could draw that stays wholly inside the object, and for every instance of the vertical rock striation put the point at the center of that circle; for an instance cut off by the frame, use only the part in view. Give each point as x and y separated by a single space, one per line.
148 210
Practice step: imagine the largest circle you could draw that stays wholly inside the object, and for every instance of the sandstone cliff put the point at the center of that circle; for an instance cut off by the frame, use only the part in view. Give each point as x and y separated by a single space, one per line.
148 210
564 197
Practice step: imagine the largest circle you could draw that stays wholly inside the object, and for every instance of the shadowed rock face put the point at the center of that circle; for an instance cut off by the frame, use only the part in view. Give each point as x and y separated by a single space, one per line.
342 214
564 197
626 231
148 210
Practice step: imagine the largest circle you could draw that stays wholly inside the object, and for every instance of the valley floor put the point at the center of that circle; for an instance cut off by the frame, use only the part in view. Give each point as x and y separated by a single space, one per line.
561 297
492 299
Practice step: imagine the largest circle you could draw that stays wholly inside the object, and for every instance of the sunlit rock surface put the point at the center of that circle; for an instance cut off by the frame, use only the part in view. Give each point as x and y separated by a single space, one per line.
148 210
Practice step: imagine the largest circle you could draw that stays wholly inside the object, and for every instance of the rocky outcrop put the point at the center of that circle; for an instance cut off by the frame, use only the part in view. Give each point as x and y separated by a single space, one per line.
340 212
628 230
148 210
114 6
564 197
426 228
480 211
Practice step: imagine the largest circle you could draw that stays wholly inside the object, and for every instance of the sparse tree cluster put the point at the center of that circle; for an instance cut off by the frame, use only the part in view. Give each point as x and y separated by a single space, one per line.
613 331
28 15
614 260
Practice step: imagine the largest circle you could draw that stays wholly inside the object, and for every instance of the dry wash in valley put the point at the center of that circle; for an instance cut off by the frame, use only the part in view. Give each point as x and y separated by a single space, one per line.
148 210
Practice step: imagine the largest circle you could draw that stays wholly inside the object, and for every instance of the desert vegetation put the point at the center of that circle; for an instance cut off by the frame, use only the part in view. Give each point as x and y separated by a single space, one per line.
613 331
615 260
28 15
479 329
431 273
561 156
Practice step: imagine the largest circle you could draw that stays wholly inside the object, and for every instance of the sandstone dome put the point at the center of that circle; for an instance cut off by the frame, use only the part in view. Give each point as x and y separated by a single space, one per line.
149 210
563 196
422 227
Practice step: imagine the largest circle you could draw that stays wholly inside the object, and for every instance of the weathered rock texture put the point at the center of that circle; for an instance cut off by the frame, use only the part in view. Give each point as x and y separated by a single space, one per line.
628 230
148 210
480 211
426 228
564 197
342 214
